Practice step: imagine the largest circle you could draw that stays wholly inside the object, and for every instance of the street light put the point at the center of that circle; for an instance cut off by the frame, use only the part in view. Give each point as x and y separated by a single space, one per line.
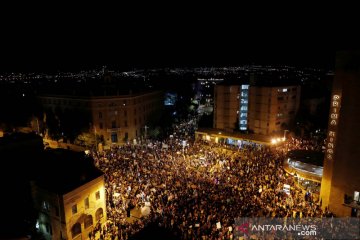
285 134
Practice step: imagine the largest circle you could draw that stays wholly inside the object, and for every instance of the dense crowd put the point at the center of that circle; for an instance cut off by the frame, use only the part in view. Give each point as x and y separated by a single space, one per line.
196 188
314 144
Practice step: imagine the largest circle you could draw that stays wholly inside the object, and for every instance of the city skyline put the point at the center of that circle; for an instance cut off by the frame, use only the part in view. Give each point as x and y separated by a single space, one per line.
76 58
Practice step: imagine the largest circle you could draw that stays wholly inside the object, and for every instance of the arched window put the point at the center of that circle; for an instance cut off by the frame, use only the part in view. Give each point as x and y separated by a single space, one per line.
76 229
88 221
99 214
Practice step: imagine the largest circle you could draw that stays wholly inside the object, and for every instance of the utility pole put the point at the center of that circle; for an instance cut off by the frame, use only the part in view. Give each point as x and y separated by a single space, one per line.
146 127
38 127
96 147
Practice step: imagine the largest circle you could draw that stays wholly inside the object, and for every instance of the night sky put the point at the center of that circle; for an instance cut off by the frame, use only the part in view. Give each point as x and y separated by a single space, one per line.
59 42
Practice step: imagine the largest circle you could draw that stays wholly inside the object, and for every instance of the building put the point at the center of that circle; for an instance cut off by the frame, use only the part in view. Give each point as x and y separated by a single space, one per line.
15 151
69 195
226 107
260 109
272 109
340 184
116 118
233 138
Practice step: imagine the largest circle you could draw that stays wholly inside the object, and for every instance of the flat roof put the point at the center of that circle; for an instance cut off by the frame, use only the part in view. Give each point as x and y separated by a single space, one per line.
61 171
307 156
257 138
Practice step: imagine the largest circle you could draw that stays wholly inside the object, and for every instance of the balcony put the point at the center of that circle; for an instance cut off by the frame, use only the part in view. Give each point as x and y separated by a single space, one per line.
113 129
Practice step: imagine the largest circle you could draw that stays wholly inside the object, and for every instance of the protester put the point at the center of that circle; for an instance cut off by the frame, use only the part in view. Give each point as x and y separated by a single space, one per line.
195 188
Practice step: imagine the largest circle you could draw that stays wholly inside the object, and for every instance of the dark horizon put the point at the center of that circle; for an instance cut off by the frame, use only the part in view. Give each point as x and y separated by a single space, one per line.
148 48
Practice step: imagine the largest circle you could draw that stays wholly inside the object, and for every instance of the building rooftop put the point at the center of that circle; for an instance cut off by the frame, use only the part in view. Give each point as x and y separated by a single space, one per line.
105 95
257 138
61 171
307 156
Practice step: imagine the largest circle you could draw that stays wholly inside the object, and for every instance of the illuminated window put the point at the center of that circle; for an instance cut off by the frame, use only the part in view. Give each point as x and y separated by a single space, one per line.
356 196
46 206
97 195
244 86
74 209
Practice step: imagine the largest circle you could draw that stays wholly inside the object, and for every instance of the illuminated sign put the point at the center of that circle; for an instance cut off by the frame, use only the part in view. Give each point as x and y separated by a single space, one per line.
243 107
333 122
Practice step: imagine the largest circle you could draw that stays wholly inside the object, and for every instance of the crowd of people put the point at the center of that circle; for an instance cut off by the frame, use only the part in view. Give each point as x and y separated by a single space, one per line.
196 188
314 144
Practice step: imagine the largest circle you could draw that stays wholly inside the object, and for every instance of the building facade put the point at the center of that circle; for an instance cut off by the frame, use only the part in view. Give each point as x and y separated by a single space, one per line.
226 106
116 119
73 207
340 184
264 110
272 109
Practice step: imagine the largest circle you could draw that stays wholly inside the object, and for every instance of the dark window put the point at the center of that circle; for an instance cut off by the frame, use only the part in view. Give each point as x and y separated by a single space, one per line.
100 114
125 123
126 135
86 202
99 214
125 113
135 111
135 122
113 124
75 230
277 123
97 195
74 209
48 228
101 125
57 211
114 137
88 221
